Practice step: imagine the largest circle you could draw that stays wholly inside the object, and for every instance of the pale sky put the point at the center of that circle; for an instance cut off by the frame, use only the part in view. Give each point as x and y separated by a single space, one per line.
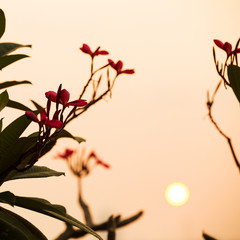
154 130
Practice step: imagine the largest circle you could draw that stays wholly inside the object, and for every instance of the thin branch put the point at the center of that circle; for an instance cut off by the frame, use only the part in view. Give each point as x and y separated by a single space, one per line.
229 141
112 223
84 206
71 233
208 237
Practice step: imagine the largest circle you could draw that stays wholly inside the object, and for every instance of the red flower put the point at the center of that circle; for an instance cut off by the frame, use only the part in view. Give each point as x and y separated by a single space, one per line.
66 154
54 123
44 120
100 162
118 67
31 116
64 98
86 49
227 47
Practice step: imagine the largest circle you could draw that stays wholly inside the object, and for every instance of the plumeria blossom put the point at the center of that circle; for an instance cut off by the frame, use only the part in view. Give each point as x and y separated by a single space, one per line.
63 98
86 49
118 67
98 160
66 154
227 47
54 123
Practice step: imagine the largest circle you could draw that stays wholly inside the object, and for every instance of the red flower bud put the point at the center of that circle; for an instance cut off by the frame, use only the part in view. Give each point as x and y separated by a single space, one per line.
30 115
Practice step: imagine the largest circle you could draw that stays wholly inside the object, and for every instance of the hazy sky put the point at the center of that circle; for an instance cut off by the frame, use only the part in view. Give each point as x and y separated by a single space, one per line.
154 130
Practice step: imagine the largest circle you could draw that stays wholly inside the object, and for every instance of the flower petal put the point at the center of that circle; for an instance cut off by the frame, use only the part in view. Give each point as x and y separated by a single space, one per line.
66 154
64 96
103 52
86 49
100 162
128 71
119 66
53 95
227 47
43 116
218 43
78 103
54 123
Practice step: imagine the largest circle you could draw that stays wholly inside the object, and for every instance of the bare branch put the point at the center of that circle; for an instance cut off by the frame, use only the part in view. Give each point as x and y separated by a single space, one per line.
71 233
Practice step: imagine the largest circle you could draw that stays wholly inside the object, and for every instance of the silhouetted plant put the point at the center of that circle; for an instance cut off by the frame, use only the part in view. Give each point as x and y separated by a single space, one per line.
18 154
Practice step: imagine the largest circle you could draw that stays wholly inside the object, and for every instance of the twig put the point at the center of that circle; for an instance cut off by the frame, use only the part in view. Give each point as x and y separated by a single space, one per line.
207 237
84 206
229 141
71 233
112 223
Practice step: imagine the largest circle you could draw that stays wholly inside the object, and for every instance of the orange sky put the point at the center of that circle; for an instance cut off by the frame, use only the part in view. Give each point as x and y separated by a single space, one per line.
154 131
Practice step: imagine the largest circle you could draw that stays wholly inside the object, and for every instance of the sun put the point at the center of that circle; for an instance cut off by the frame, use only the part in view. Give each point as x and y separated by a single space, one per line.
177 194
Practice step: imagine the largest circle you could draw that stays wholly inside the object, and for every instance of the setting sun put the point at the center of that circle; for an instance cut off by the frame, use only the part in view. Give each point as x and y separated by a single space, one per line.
177 194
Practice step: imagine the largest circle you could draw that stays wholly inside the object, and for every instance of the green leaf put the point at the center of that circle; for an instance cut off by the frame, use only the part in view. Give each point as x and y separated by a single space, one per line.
7 60
17 105
52 142
2 23
234 79
37 172
21 155
8 47
67 134
3 100
52 210
13 83
10 135
38 107
14 227
7 197
1 123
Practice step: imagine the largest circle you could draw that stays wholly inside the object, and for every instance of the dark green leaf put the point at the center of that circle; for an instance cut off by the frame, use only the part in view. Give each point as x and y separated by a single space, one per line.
13 83
37 172
38 107
17 105
14 227
52 210
8 47
10 135
234 79
7 197
66 134
52 142
208 237
21 155
1 123
7 60
3 100
2 23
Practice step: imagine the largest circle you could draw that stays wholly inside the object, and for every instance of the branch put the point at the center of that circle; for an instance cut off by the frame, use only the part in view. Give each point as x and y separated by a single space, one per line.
208 237
71 233
229 141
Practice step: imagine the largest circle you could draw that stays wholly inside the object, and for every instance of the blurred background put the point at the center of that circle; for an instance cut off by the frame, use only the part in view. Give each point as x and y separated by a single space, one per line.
154 130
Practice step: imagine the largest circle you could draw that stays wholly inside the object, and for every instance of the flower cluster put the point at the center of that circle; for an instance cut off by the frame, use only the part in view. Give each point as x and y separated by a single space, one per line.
227 47
81 165
117 66
60 97
86 49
